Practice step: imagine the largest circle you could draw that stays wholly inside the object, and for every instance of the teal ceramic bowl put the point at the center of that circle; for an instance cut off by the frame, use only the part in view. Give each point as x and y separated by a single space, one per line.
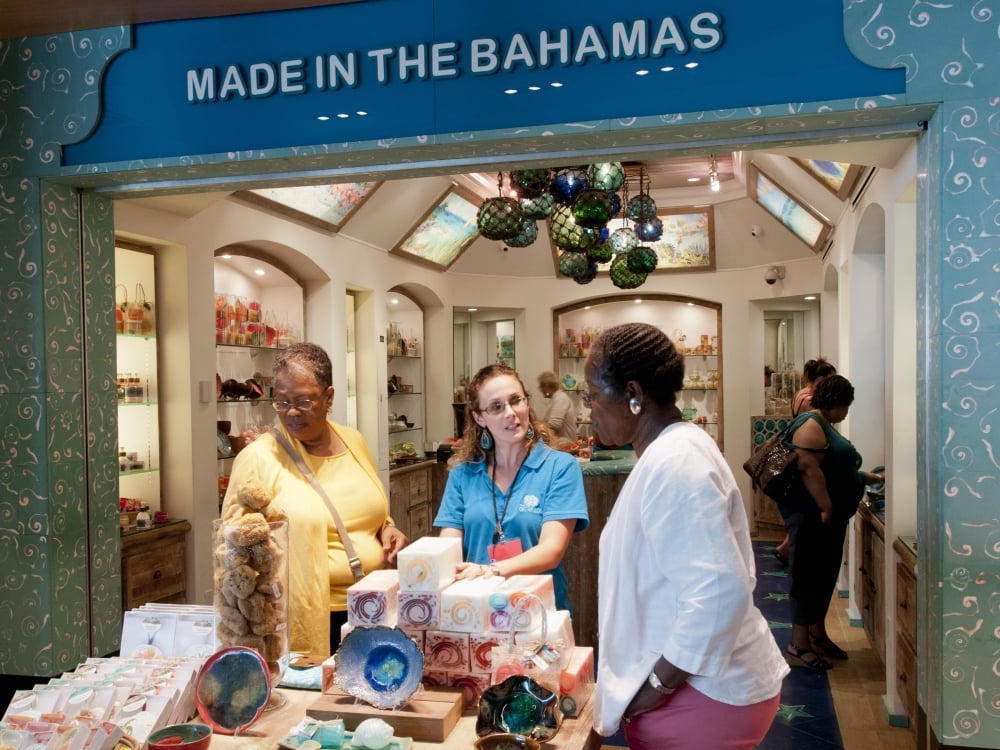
190 736
506 741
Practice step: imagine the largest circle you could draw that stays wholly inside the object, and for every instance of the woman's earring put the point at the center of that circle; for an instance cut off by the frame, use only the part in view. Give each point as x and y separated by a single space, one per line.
634 406
530 434
485 440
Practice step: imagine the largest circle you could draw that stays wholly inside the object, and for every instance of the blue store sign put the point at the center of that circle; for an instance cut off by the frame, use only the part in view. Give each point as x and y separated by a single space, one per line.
385 69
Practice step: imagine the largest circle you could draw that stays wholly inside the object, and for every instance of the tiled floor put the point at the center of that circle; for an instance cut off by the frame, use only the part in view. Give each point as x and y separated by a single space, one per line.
856 686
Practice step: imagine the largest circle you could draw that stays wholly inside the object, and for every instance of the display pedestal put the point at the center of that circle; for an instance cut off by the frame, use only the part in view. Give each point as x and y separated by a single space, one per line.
430 715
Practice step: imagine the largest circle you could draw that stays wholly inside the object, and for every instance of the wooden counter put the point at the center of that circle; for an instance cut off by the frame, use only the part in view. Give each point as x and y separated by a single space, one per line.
275 725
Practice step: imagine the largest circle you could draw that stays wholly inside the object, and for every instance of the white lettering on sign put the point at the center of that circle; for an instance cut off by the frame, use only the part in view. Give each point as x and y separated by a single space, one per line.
621 40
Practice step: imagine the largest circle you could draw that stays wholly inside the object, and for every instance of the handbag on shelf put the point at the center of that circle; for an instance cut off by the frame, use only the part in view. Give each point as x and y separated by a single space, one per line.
774 467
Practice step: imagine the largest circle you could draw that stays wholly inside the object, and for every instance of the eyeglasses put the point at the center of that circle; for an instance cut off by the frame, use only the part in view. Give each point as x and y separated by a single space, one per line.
498 407
302 404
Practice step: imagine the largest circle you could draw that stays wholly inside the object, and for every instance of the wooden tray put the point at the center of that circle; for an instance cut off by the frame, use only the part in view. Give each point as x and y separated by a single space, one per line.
429 716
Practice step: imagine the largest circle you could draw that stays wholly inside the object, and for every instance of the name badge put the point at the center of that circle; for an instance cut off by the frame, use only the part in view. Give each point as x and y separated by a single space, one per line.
504 550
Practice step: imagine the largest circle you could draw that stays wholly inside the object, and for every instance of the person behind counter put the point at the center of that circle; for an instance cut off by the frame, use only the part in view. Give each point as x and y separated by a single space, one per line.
684 656
318 569
832 487
559 415
512 500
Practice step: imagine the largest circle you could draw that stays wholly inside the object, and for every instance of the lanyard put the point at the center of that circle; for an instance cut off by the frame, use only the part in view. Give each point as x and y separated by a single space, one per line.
500 515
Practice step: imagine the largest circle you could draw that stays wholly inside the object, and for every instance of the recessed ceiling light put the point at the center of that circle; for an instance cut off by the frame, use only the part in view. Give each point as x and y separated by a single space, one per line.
694 179
667 69
226 256
259 271
642 72
473 309
534 88
361 113
510 91
556 85
394 300
323 118
691 65
638 302
810 296
343 115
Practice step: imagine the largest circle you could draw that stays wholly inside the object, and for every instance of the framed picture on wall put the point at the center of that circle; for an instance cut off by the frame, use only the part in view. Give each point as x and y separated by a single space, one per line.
839 177
442 234
804 222
324 206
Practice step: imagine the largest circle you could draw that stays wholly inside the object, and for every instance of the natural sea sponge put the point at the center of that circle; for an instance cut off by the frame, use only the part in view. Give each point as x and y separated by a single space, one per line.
252 496
239 582
247 531
229 557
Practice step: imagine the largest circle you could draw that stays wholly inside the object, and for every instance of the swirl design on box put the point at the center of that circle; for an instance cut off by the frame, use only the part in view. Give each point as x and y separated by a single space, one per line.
499 620
463 613
445 654
369 606
482 655
417 611
418 572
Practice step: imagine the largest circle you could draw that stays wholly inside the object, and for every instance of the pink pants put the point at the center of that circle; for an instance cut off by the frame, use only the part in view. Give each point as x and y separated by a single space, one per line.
690 720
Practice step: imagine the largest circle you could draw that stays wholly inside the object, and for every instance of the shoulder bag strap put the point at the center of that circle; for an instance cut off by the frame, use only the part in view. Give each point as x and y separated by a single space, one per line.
357 569
800 420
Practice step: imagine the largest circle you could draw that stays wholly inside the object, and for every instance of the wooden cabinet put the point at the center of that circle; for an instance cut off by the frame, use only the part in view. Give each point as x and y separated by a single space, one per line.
410 503
154 565
906 627
869 589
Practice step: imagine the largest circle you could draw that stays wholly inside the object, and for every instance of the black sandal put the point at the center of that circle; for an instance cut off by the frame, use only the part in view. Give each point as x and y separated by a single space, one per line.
830 649
781 558
816 664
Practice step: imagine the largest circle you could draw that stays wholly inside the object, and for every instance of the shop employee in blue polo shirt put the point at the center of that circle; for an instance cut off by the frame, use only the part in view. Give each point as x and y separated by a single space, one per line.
512 500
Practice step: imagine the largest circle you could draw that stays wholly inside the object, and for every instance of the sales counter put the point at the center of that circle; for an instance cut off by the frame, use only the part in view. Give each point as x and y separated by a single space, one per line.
603 478
275 725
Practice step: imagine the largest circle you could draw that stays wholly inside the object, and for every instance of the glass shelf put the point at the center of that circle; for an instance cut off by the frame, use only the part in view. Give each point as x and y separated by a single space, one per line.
403 356
136 472
147 336
698 388
241 401
411 393
404 429
137 403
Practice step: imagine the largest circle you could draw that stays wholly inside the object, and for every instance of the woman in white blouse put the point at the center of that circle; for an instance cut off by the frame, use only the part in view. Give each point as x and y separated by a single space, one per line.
686 659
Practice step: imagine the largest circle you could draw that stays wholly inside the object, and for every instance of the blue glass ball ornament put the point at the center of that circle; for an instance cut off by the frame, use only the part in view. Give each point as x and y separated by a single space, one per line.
572 263
641 208
499 218
530 183
592 209
616 204
567 184
600 253
587 276
566 234
538 208
641 260
622 240
650 230
607 176
624 277
527 235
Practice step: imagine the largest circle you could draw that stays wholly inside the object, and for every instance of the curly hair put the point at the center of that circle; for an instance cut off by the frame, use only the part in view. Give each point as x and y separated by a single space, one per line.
818 368
470 449
308 357
639 352
832 392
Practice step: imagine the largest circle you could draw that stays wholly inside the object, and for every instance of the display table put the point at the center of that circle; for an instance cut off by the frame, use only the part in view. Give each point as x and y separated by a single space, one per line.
274 726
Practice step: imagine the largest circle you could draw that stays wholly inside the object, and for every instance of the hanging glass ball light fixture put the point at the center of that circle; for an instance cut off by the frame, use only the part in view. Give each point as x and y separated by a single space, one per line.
499 218
567 184
622 276
566 234
641 208
538 208
572 263
607 176
587 276
616 204
649 230
592 209
600 253
530 183
527 235
624 239
641 260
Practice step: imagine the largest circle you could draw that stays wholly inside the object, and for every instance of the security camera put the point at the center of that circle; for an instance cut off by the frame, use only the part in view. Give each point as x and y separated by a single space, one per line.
756 231
773 273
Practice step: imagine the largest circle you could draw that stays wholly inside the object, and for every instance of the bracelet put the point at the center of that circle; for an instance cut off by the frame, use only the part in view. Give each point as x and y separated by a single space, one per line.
495 570
654 682
490 570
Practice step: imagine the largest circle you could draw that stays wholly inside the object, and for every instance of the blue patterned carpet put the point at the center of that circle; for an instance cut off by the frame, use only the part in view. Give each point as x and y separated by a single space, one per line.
806 719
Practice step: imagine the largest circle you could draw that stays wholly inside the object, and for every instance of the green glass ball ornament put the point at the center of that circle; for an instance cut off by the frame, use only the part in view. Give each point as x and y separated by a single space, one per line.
592 209
527 235
600 253
567 184
650 230
566 234
641 259
606 176
641 208
622 276
572 263
538 208
587 276
530 183
622 240
499 218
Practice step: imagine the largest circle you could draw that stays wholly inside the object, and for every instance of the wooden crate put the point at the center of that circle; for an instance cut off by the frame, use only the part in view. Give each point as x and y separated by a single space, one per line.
428 717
